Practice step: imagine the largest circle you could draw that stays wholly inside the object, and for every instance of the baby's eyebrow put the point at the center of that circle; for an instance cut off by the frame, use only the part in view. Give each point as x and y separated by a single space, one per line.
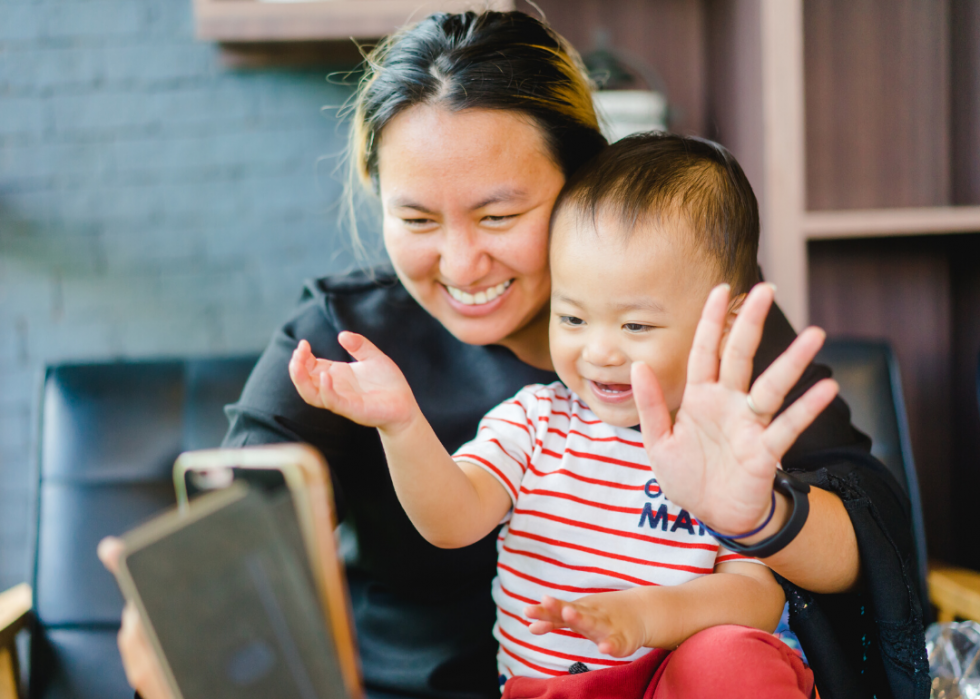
644 305
565 299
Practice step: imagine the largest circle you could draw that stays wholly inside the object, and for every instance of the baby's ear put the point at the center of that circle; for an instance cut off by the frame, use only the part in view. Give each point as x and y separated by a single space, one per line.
734 307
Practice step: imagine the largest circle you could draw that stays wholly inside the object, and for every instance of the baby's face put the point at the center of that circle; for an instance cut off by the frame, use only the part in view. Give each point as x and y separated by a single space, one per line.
615 302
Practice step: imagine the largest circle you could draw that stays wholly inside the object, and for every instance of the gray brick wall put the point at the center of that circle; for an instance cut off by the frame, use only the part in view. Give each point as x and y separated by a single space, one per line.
152 203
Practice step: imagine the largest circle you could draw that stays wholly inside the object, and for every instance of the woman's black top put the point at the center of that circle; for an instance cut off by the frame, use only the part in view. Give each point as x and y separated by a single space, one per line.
424 615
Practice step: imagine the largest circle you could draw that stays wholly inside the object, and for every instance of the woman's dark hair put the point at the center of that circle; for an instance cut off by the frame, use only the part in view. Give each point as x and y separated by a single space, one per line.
492 60
653 176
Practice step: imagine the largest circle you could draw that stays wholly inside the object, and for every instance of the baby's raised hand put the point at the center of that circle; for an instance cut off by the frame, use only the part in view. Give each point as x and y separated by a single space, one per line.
371 390
608 619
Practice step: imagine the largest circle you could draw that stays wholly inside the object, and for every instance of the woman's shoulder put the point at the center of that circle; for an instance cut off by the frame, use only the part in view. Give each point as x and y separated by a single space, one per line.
363 301
379 286
379 279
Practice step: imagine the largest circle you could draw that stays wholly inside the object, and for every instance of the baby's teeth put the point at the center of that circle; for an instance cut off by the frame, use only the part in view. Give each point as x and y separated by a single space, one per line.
467 299
480 298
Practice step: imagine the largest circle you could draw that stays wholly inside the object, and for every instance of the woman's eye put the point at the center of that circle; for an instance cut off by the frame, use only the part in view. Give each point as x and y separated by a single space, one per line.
417 222
571 320
497 220
636 327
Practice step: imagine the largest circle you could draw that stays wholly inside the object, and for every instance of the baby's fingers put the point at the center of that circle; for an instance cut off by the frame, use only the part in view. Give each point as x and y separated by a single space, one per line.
581 620
549 611
541 627
334 388
782 433
301 370
616 646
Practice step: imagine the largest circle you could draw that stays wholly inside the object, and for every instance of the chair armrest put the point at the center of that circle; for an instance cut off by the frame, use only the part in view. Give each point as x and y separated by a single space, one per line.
15 610
955 591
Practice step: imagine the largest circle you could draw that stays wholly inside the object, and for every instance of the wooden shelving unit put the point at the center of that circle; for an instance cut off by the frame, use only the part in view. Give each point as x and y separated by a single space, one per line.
871 223
858 124
249 21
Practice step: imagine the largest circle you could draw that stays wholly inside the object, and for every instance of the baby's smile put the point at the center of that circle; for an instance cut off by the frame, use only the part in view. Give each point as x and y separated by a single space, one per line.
611 392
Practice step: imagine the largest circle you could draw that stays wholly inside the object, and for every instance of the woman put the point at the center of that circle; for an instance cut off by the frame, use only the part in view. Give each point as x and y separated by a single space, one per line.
466 127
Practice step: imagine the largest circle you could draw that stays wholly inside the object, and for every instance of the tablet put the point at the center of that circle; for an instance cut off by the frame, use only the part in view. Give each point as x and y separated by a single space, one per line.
228 605
302 471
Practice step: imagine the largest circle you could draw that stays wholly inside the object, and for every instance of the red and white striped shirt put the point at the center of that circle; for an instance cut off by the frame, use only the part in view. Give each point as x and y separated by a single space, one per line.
588 517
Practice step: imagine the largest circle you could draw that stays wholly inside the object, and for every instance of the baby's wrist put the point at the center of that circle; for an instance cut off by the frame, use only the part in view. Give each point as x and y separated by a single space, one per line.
651 620
780 514
398 428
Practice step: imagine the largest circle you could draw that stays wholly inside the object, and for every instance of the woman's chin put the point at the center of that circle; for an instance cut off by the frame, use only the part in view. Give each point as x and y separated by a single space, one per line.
481 330
483 324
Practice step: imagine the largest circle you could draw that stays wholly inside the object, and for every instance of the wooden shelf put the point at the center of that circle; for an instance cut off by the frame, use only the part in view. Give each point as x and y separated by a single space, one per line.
872 223
318 20
15 605
955 591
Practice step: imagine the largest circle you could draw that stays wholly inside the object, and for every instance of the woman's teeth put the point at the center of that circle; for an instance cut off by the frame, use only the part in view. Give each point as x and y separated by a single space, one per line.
479 298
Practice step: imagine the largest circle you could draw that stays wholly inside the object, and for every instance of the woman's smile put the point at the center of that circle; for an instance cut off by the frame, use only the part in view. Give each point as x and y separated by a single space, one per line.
466 221
480 297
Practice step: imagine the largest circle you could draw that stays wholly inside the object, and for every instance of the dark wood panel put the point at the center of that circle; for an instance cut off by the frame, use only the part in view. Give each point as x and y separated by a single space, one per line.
900 289
734 81
666 34
965 117
965 268
877 103
294 54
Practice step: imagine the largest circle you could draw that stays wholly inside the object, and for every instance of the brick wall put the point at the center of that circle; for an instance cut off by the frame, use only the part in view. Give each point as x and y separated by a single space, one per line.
152 203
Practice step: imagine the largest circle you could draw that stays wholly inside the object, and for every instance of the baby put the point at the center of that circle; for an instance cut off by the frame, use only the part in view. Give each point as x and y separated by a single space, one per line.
596 566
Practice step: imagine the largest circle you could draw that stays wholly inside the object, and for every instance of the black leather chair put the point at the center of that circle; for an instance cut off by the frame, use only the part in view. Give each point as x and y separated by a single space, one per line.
109 436
871 384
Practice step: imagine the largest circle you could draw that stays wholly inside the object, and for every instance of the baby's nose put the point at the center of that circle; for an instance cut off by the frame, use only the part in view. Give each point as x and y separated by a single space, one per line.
601 352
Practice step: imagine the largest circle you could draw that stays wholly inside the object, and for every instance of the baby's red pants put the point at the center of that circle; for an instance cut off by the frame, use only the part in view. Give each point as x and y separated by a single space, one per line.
723 661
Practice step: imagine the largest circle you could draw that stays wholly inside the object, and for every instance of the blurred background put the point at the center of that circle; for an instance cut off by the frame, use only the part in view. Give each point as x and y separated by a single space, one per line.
169 177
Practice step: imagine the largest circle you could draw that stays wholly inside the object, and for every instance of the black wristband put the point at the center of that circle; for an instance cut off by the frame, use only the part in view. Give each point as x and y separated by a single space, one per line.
796 491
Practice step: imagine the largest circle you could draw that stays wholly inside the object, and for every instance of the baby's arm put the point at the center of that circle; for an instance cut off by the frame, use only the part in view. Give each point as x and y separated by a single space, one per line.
451 505
620 623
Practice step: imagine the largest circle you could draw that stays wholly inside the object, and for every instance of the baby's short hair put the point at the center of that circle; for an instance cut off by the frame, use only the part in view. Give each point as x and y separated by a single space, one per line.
657 175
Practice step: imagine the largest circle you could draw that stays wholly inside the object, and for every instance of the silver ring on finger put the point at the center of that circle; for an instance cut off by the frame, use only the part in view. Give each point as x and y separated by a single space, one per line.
753 407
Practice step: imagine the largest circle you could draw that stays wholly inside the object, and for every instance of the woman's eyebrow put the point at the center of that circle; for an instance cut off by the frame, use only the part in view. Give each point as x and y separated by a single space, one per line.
501 195
405 203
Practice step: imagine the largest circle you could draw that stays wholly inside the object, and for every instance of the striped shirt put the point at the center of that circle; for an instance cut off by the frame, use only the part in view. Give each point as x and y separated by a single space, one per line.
588 517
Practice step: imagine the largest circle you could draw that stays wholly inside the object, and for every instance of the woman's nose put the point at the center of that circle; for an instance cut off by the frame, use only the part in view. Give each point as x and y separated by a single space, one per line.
463 260
600 350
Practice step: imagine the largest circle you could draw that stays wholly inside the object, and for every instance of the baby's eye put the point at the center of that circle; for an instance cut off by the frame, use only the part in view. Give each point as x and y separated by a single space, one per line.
636 327
571 320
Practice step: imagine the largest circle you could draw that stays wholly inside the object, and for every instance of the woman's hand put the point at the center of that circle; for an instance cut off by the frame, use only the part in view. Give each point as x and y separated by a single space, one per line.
718 457
371 391
143 671
608 619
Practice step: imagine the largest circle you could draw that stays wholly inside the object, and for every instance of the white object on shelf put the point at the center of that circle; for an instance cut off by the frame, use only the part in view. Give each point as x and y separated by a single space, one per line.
625 112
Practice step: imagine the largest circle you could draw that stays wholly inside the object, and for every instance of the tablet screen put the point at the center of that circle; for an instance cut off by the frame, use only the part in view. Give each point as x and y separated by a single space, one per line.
230 599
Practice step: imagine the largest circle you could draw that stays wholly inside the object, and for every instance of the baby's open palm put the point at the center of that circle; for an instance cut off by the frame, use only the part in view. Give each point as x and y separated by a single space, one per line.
371 391
718 458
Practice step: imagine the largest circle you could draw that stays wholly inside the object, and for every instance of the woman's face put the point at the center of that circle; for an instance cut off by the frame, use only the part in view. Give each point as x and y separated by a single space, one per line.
467 198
